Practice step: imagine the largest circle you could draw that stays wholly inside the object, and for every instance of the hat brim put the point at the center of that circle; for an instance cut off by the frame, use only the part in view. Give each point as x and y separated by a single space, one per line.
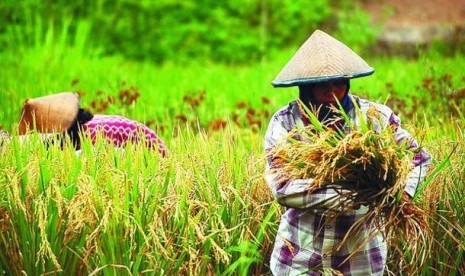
306 81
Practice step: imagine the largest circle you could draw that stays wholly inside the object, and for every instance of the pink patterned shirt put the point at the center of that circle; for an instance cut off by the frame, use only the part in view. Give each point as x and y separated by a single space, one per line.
120 130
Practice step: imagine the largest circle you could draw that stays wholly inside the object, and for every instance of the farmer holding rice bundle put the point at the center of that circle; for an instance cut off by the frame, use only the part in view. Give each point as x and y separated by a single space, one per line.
312 236
61 113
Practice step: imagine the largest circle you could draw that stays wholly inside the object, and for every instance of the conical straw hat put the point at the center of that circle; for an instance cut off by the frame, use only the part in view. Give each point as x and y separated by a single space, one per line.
53 113
321 58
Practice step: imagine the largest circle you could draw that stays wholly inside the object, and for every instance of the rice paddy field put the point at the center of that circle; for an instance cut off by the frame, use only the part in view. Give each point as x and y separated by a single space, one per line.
205 209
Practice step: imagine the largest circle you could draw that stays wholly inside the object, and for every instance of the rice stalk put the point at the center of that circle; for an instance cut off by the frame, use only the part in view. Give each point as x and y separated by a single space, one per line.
45 251
442 200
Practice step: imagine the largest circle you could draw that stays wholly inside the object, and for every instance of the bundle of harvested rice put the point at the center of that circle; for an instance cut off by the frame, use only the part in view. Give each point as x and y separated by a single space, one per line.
363 162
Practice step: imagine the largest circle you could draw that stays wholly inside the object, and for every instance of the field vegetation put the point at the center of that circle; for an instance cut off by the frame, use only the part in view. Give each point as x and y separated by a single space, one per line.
205 208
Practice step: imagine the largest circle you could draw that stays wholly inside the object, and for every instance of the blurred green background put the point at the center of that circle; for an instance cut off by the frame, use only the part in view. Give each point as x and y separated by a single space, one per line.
226 31
229 51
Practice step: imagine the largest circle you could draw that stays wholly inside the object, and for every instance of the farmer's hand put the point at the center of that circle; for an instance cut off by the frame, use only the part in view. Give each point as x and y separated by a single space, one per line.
407 205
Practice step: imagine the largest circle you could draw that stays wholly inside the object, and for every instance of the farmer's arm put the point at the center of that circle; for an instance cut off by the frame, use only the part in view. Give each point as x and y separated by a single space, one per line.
289 192
295 193
421 158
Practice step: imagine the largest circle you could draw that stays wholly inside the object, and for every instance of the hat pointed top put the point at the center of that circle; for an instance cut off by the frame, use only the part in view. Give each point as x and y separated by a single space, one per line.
321 58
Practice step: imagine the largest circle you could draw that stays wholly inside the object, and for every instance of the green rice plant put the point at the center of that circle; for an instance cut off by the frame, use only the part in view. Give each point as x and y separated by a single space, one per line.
203 209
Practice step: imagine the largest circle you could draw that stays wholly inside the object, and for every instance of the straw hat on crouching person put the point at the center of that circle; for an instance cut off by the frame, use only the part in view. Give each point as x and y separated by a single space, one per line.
324 226
49 114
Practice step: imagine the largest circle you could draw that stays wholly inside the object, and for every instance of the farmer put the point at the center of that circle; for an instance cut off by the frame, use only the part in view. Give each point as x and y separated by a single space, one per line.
310 232
60 113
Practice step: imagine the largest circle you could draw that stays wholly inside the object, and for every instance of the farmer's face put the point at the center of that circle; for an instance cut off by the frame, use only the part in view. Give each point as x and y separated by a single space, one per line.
328 92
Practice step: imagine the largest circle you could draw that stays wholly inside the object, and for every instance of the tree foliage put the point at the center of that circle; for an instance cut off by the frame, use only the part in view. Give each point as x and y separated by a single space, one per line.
228 31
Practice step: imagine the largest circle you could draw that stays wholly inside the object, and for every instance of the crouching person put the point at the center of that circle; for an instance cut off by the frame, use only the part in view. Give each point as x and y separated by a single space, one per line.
61 113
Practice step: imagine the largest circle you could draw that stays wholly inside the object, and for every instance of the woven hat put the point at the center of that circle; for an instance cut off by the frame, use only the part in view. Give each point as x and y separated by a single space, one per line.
321 58
53 113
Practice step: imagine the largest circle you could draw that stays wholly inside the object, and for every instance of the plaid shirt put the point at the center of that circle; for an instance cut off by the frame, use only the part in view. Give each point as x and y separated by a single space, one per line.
309 233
